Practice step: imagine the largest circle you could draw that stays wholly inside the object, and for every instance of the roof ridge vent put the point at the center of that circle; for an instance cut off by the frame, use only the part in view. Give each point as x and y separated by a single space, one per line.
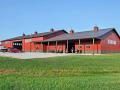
72 31
35 33
52 30
95 28
23 34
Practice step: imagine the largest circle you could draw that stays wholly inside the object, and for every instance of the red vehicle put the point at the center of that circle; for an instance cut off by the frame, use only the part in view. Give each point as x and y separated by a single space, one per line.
14 50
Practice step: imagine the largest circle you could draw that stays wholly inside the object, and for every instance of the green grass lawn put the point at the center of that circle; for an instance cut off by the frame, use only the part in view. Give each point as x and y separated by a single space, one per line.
61 73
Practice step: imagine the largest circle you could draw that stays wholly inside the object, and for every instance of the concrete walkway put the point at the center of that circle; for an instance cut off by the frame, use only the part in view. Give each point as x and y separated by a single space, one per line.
29 55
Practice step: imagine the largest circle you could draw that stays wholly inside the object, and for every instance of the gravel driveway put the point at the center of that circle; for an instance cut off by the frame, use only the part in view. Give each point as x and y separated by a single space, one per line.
29 55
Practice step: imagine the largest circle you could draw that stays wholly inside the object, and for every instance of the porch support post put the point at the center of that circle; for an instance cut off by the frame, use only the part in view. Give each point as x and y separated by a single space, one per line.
23 45
84 48
93 45
79 45
30 46
41 47
67 47
56 46
97 48
34 46
48 47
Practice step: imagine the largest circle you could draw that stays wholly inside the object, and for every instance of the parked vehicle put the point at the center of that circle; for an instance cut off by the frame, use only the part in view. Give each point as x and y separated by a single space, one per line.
14 50
3 49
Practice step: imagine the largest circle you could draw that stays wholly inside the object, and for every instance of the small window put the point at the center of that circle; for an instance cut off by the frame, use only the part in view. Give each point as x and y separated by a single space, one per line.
112 42
79 46
87 46
28 40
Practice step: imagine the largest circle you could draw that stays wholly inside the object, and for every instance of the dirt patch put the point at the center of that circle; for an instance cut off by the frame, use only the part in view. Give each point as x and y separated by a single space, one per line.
6 71
29 60
5 60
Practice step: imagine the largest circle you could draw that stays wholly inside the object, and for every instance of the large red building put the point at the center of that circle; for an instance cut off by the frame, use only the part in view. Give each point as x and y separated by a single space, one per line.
60 41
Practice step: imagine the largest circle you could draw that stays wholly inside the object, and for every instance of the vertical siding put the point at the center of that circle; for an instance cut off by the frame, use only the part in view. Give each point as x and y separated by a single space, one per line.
108 48
32 46
83 47
7 44
37 46
60 47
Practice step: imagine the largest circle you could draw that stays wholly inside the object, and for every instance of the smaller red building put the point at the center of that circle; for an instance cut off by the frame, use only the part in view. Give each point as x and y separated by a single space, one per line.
29 43
93 41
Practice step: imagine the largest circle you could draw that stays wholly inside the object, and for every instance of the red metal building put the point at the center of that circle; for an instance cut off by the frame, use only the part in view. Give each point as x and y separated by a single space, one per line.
93 41
29 43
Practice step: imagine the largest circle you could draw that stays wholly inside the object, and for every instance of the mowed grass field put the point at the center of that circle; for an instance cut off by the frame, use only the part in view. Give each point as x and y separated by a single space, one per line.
61 73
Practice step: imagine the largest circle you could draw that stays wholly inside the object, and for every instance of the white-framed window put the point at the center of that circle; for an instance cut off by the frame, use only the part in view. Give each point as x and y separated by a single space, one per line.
7 42
112 42
28 40
79 46
88 46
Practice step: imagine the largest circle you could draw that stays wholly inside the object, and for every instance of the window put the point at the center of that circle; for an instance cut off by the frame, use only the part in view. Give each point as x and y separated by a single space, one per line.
79 46
87 46
112 42
28 40
7 42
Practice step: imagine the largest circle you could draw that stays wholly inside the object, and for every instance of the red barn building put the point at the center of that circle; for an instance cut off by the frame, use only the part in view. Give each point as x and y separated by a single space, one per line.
94 41
32 42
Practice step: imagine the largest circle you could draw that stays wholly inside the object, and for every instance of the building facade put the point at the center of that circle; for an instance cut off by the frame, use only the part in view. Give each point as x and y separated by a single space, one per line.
60 41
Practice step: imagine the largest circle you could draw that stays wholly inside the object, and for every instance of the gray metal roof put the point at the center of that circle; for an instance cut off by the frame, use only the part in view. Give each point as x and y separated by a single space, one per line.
33 35
82 35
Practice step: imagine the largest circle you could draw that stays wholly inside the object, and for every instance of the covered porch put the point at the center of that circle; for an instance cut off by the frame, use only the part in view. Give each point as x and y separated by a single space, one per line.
73 46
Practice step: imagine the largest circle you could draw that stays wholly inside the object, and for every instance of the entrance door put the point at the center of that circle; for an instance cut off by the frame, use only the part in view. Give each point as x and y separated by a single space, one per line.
71 47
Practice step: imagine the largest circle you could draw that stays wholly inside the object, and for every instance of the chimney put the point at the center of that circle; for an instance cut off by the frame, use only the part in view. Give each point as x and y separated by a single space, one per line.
23 35
35 33
96 28
71 31
51 30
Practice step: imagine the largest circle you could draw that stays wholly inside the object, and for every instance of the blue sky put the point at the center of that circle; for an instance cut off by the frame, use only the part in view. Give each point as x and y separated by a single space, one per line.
27 16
